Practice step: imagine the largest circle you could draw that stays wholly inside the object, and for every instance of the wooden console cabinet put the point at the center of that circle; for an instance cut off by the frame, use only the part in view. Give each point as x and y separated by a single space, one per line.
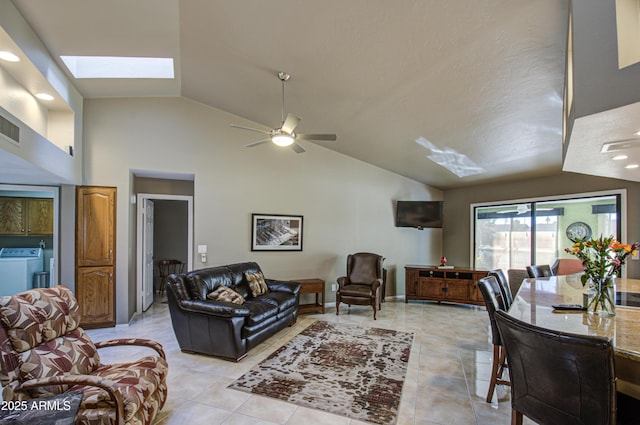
457 285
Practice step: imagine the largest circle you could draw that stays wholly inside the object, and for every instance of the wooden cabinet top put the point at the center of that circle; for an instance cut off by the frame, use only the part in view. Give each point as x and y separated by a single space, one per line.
447 269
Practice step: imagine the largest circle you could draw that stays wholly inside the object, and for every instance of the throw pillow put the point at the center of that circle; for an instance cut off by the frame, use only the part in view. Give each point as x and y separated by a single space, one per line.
223 293
256 283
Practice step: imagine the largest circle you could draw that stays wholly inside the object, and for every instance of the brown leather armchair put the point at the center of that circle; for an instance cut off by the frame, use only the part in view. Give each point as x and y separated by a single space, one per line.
362 284
43 352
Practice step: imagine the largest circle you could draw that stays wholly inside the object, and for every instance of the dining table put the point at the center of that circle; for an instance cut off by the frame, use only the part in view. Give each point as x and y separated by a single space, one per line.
534 303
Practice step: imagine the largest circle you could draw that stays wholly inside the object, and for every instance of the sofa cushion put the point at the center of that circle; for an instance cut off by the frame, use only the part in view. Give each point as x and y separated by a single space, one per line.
256 283
260 311
137 381
226 294
202 282
282 300
33 317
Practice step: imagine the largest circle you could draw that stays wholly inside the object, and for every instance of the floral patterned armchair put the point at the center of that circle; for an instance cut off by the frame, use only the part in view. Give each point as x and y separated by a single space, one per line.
44 352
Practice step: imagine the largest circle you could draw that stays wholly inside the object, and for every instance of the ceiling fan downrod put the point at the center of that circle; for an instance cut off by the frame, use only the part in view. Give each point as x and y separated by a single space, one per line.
283 76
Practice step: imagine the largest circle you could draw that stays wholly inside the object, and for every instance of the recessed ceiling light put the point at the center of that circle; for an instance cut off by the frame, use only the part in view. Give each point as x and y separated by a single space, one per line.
631 166
44 96
118 67
8 56
619 157
637 133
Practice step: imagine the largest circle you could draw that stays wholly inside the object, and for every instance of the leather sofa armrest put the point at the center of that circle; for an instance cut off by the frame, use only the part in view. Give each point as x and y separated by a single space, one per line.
214 308
280 286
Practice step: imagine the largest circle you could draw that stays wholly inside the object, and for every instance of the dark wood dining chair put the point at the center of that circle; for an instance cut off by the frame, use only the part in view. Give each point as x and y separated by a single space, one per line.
558 378
492 295
166 268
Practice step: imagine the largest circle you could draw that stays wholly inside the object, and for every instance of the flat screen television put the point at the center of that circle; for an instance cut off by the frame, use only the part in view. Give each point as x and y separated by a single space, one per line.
419 214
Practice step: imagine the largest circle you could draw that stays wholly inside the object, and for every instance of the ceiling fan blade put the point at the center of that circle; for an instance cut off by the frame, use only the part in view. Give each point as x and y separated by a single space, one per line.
256 143
249 128
296 147
327 137
290 123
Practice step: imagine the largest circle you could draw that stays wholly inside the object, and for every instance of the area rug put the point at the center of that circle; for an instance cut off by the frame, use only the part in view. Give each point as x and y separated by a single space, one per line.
353 371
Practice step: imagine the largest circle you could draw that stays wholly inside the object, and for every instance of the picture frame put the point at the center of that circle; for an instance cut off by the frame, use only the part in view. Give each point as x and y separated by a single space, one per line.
276 232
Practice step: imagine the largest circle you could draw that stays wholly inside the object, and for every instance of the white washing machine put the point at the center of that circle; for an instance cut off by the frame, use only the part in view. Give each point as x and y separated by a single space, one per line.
17 266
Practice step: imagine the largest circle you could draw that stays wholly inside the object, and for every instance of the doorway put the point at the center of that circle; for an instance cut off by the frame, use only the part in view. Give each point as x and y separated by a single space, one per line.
164 231
48 241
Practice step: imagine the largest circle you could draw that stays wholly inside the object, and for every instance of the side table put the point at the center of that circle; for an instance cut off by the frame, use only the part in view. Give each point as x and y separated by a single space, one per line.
312 286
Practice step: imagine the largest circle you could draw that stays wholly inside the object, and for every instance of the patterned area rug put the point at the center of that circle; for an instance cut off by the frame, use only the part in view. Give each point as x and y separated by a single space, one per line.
349 370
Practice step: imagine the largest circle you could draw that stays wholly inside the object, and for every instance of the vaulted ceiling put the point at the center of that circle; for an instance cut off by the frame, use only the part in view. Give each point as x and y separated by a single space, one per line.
480 83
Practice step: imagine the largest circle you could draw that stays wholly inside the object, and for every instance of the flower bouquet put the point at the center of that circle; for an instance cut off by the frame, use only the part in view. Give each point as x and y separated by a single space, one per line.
602 259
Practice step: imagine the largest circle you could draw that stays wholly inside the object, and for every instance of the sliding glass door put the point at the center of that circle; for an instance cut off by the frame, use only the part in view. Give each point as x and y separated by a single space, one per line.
513 236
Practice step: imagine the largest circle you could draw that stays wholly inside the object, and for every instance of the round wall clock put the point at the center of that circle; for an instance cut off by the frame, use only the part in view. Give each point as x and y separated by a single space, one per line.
578 230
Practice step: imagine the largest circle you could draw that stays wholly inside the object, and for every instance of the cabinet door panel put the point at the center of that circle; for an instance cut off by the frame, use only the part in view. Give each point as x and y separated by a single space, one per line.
459 289
95 226
431 288
95 292
40 216
411 282
12 216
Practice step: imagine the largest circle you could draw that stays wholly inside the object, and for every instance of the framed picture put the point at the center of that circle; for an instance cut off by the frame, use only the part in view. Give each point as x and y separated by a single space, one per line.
275 232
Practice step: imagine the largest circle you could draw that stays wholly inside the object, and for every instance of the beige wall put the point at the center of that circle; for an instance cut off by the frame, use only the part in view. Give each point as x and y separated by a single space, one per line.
457 202
347 205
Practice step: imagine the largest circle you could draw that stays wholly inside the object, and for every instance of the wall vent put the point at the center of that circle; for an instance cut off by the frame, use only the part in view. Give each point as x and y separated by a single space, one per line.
9 129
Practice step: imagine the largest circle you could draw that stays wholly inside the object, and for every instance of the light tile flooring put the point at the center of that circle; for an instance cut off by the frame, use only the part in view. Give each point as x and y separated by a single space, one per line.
446 382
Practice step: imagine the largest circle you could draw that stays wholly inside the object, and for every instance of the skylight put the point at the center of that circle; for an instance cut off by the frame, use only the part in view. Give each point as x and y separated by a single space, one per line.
118 67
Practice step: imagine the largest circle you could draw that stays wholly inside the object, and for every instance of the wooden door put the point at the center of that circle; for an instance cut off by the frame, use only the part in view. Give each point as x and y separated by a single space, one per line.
95 255
13 216
94 291
95 226
39 216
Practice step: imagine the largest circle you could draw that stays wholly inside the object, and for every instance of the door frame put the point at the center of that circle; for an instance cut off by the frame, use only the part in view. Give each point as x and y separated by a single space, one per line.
140 200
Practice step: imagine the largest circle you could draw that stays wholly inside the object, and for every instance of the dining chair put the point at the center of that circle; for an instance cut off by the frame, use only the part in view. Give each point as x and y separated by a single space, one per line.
564 266
516 276
541 270
505 290
558 378
166 268
492 295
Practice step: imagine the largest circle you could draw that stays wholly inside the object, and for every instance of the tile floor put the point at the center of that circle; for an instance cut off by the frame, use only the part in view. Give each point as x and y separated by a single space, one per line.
446 382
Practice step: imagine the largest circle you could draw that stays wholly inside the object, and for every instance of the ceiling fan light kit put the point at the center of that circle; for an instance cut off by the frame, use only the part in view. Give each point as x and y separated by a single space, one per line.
282 139
285 136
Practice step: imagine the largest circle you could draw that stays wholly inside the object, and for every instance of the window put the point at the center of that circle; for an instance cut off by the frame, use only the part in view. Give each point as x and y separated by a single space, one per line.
515 235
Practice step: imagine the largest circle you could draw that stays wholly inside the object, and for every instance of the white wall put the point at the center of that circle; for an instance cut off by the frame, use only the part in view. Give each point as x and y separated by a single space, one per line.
347 205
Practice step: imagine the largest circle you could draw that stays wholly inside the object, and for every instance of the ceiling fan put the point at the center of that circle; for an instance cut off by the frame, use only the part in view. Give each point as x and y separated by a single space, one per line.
285 135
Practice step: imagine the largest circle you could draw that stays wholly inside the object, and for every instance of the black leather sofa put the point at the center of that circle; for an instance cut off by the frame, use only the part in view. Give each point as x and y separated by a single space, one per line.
225 329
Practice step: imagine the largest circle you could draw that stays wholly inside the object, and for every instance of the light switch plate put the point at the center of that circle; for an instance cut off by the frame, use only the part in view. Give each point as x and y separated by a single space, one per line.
202 249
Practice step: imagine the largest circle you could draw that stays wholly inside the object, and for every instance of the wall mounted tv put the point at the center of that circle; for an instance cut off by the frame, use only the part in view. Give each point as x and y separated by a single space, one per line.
419 214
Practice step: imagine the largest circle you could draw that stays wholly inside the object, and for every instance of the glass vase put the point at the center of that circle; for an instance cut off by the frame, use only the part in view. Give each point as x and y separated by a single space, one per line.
602 296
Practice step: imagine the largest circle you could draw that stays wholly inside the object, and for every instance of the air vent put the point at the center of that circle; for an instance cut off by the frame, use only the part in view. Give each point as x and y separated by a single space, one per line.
620 145
9 129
